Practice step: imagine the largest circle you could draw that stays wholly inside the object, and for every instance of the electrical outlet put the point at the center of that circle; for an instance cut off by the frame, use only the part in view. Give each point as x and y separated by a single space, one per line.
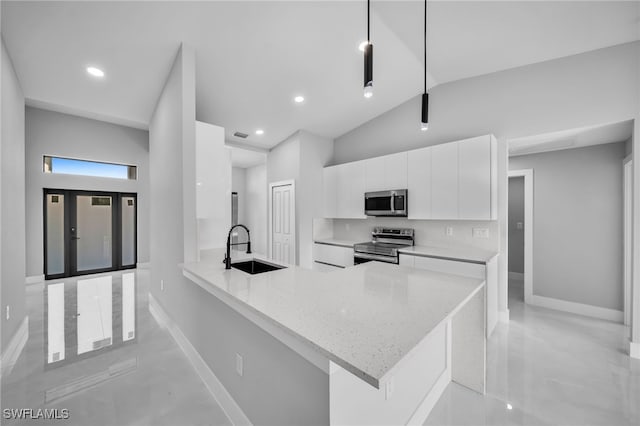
8 312
519 225
480 233
239 365
161 285
449 231
388 390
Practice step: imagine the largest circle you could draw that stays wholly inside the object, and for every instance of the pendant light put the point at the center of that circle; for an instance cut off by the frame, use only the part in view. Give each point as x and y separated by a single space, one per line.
368 59
425 96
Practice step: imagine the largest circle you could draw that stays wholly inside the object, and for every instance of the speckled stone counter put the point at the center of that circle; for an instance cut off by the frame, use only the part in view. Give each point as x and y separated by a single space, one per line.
365 319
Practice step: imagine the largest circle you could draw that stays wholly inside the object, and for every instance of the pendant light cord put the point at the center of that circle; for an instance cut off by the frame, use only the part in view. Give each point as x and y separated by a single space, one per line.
425 46
368 22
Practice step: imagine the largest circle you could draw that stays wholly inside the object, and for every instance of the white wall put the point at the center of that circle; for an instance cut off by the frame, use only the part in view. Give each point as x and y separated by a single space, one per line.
63 135
577 224
256 211
12 209
239 185
583 90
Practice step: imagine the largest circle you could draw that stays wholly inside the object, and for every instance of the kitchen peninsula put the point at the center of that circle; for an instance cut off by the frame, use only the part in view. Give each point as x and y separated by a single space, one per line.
375 343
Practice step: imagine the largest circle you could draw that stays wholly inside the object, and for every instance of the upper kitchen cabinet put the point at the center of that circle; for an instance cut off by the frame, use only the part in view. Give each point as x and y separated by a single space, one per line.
444 181
419 183
343 190
477 175
456 180
386 172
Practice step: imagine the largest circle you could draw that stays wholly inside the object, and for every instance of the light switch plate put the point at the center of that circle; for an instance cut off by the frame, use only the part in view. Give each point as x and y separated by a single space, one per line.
519 225
480 233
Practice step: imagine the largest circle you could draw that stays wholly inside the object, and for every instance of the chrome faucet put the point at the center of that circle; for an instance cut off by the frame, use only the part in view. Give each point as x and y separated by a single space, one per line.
227 259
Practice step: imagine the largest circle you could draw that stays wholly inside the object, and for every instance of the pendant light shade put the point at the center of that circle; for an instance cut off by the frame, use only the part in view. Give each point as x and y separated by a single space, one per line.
425 112
425 96
368 59
368 70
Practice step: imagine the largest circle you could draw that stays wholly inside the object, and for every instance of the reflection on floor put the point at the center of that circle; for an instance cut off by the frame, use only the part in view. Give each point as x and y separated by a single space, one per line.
90 352
549 367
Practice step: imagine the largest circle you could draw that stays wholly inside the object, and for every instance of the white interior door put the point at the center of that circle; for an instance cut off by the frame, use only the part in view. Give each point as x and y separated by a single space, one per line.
94 314
283 223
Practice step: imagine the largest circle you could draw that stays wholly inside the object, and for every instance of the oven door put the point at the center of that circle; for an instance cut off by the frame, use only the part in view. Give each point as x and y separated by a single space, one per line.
359 258
386 203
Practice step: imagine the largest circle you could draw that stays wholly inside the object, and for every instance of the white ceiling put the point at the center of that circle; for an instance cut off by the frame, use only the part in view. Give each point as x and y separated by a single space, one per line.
244 158
572 138
252 58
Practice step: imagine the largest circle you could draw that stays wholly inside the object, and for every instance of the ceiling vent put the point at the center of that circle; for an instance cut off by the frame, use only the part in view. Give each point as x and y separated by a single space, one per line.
241 135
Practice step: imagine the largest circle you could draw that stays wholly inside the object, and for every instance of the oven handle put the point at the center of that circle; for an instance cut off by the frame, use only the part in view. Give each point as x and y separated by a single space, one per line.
387 259
393 204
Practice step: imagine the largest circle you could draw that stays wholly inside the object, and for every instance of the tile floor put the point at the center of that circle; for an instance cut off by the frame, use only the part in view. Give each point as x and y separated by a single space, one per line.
545 367
161 389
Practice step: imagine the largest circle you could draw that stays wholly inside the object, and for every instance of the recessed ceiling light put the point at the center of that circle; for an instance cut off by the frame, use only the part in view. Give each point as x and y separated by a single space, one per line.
362 45
96 72
298 99
259 132
509 407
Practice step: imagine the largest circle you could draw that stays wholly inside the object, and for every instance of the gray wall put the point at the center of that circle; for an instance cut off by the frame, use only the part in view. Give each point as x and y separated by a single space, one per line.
516 214
12 209
63 135
577 224
239 185
596 87
274 376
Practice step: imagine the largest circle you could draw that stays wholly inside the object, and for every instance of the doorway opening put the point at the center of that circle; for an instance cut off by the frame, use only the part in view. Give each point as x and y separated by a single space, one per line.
520 228
87 232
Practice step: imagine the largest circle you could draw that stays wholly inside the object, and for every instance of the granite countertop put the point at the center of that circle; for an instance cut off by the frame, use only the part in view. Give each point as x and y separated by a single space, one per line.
365 318
463 254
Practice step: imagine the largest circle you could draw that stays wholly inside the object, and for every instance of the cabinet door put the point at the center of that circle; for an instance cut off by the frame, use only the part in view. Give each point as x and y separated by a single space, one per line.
329 191
350 190
419 183
444 181
395 171
474 187
407 260
374 175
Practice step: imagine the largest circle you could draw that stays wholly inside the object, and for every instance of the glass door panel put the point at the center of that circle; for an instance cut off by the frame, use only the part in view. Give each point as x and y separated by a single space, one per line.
54 234
128 225
93 232
94 314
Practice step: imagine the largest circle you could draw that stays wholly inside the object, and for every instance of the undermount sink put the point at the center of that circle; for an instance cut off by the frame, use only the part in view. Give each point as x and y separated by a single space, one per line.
255 267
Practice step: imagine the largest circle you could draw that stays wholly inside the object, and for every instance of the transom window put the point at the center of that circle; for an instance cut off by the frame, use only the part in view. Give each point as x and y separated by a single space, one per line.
71 166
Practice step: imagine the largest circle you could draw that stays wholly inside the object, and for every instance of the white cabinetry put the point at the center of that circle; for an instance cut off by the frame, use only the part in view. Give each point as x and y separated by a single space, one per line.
483 271
456 180
386 172
332 256
343 191
444 181
419 183
474 179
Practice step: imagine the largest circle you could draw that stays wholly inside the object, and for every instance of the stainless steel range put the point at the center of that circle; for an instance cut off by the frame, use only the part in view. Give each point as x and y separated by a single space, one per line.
385 245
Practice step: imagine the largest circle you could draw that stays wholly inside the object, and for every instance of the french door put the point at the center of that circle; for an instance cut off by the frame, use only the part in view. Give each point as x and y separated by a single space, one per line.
87 232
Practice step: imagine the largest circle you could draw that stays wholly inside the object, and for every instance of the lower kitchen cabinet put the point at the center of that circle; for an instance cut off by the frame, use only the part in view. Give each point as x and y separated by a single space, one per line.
326 256
483 271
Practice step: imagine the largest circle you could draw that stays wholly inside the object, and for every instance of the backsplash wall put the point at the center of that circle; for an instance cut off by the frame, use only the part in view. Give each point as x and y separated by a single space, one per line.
427 232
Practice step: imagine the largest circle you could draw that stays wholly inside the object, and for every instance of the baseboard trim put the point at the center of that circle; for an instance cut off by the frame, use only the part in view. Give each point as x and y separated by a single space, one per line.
516 276
14 348
213 384
143 265
503 316
34 279
577 308
634 350
424 409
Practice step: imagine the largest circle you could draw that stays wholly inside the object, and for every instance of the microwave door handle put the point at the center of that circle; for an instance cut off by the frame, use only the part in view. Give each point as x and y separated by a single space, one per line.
393 207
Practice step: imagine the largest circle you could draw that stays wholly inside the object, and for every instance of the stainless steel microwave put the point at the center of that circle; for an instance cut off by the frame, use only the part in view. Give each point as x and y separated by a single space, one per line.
386 203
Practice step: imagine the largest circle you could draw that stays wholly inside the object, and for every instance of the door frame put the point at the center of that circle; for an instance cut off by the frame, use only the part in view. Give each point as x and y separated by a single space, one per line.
528 231
272 185
70 219
627 170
